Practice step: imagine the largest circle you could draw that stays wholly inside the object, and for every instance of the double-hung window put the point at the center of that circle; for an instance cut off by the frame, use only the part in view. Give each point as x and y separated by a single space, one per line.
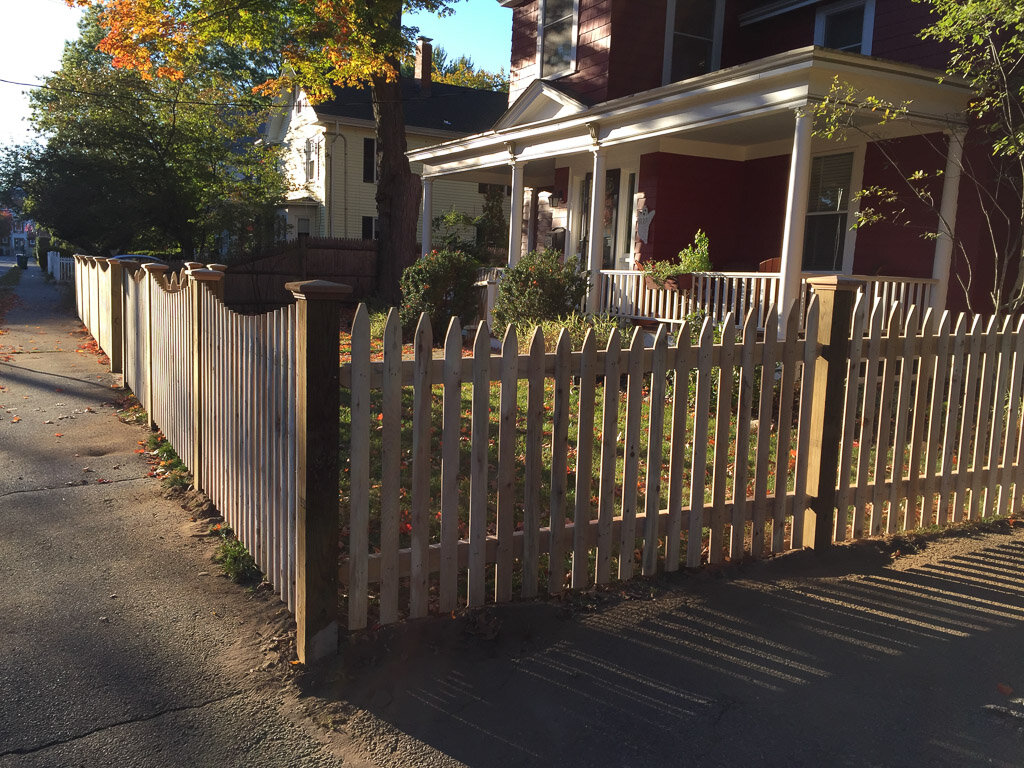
693 38
846 26
559 27
828 209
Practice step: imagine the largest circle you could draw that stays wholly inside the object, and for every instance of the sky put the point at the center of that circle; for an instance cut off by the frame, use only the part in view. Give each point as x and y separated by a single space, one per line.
33 33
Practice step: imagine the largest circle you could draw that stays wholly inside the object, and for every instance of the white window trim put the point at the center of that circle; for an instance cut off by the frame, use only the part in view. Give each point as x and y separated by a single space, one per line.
540 43
716 44
867 32
859 151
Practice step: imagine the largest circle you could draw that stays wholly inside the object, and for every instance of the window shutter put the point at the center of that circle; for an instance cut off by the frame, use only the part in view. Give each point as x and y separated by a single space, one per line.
830 183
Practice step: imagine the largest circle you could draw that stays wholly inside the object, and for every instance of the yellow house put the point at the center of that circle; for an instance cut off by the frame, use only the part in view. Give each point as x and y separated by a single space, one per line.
330 151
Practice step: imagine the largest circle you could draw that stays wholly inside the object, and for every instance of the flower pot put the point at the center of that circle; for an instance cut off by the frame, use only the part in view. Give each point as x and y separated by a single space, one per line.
678 283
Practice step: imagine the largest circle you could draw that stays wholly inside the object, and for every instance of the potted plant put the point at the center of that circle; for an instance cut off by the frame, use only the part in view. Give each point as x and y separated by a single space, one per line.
678 275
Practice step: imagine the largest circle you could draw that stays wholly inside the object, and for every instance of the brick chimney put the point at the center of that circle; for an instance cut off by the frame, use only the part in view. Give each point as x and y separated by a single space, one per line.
424 64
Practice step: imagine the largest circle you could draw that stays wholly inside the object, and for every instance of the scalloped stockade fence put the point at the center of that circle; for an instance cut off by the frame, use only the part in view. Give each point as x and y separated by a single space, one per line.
413 480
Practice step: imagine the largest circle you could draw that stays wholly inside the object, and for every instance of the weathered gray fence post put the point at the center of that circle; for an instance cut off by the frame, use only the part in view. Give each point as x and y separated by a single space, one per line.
116 287
317 423
209 278
153 272
836 297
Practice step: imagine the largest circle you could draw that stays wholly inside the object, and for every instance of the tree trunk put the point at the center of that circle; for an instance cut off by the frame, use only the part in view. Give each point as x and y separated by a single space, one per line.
398 191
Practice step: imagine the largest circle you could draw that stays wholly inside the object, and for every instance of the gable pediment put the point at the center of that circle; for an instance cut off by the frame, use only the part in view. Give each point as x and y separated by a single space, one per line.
538 103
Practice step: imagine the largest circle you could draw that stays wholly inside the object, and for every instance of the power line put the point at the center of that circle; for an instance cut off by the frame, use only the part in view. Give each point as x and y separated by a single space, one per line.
136 97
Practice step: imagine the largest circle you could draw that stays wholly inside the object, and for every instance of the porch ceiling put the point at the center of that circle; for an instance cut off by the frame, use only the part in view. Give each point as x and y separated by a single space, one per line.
737 110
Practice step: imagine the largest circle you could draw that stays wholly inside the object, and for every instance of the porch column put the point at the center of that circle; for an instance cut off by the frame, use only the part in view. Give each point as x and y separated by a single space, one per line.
428 208
515 219
796 217
595 235
947 220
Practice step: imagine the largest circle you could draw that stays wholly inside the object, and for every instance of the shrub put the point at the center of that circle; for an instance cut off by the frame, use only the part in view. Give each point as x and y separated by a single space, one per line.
540 287
693 258
577 325
440 284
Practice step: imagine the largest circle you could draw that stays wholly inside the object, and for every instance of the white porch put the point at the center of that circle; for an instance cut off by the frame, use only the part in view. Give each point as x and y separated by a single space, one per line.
743 115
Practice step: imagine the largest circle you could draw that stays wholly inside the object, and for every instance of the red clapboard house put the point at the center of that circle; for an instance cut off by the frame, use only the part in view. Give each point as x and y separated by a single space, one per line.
632 124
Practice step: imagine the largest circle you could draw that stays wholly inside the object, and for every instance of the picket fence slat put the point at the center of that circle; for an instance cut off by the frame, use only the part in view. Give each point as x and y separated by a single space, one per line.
391 467
450 465
505 506
606 479
479 441
559 463
582 512
677 451
655 448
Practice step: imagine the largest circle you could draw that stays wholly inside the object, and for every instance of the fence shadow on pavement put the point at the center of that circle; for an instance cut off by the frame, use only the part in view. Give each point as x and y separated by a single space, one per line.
857 665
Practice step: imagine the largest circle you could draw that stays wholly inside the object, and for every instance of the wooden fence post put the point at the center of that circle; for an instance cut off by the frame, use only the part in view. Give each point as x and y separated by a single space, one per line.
836 297
210 278
153 271
218 287
317 423
116 287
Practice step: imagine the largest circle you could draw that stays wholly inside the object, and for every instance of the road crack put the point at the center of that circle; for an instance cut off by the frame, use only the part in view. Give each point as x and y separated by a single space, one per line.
102 728
65 486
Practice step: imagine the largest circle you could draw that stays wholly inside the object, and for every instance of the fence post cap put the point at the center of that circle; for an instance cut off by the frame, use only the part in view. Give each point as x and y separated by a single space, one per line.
193 265
218 267
834 283
206 275
320 290
155 268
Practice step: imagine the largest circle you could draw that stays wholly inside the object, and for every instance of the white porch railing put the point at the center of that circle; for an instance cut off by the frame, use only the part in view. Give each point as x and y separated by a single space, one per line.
626 293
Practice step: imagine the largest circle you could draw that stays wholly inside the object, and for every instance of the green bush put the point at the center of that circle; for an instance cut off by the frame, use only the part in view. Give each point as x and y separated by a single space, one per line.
440 284
540 287
693 258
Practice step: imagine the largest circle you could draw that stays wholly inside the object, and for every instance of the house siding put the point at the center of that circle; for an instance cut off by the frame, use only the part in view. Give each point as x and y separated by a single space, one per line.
589 81
889 248
355 199
637 58
897 25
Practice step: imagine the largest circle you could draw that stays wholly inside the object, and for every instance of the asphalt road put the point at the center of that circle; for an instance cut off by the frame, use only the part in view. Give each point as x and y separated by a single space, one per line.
119 642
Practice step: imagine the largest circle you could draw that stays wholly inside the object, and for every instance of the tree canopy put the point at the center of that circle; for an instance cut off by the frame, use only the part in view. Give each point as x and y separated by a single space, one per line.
985 43
132 162
460 71
320 43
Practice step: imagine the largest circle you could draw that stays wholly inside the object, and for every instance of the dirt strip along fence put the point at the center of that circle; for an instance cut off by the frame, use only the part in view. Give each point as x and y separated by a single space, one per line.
469 477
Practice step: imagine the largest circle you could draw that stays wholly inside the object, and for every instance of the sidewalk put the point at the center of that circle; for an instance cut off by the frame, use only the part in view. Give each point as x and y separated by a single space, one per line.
120 643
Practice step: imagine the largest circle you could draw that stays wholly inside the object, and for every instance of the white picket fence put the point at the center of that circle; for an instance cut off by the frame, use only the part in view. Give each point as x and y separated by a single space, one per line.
705 456
61 268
